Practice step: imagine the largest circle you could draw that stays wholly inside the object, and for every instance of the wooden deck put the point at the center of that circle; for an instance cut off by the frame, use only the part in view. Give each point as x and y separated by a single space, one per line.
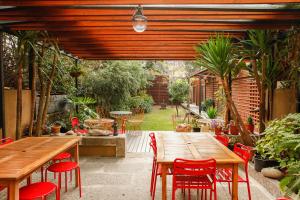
138 142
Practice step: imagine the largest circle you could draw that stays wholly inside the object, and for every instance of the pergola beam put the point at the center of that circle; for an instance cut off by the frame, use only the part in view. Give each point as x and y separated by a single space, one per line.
133 2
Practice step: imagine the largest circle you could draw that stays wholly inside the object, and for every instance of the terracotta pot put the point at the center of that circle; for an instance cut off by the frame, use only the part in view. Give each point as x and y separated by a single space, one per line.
250 127
55 128
218 131
234 130
226 132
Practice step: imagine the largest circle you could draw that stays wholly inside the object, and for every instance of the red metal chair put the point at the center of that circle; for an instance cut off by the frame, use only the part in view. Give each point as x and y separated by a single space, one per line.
225 175
283 198
223 139
156 168
194 174
39 190
4 142
76 126
65 167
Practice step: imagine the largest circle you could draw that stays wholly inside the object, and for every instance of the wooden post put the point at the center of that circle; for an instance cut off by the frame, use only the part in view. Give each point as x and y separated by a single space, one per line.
2 103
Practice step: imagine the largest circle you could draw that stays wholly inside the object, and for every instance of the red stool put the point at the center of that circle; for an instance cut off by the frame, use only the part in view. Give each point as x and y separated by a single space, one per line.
58 158
38 190
65 167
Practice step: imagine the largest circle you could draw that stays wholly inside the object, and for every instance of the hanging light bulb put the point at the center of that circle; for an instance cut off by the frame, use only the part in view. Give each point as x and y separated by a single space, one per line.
139 21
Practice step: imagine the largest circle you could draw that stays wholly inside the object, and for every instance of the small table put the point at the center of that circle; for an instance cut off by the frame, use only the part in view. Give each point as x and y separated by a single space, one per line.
21 158
120 115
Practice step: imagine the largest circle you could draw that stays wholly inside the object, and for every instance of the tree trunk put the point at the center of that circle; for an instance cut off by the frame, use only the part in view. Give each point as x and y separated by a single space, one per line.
42 94
245 136
262 102
19 91
48 90
33 92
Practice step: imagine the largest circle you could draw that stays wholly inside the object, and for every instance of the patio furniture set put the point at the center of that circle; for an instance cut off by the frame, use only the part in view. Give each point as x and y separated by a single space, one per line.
19 159
197 161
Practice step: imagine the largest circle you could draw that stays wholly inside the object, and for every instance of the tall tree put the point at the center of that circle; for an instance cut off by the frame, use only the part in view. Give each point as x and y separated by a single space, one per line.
218 56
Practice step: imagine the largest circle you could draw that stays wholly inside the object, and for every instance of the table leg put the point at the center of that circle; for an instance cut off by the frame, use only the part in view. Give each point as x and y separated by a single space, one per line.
164 170
13 190
235 174
29 180
76 157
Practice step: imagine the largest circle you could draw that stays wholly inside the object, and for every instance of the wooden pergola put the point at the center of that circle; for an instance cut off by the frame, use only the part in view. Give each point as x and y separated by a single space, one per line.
102 29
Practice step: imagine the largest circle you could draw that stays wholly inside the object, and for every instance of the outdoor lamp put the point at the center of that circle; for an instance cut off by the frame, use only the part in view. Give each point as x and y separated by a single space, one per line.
139 21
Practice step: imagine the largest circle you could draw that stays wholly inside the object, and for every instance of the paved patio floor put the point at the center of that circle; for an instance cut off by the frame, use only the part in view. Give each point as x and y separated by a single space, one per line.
129 179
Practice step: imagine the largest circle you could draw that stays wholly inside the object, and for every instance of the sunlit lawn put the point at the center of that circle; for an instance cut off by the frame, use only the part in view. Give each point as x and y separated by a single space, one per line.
160 120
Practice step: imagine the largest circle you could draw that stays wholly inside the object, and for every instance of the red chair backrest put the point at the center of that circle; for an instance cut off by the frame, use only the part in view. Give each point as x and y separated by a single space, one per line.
223 139
153 138
242 151
154 148
195 167
75 122
5 141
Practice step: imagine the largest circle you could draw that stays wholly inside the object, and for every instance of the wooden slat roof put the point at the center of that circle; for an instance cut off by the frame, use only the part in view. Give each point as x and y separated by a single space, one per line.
102 29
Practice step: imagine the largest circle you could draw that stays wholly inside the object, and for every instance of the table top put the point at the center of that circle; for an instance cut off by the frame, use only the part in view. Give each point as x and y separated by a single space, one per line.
20 158
120 112
172 145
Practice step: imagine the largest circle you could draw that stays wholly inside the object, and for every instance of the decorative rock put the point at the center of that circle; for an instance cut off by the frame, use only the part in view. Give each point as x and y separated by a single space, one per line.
272 173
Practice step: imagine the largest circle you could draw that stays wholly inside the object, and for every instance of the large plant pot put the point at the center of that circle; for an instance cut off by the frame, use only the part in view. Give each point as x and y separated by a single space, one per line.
260 163
55 129
218 131
250 127
234 130
198 129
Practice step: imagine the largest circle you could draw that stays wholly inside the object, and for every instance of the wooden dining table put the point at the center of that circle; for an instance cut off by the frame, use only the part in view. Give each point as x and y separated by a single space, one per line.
195 146
18 160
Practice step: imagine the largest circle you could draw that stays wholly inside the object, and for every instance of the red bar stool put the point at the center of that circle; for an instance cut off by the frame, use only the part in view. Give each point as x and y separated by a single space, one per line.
65 167
39 191
225 175
194 174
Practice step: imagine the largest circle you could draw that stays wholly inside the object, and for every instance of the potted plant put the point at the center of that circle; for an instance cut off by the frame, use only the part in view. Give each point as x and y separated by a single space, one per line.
250 124
280 145
212 112
75 71
55 127
233 128
195 125
218 129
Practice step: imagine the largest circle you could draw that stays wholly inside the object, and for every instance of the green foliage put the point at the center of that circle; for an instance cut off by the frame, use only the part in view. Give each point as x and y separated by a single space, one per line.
212 112
84 111
179 91
291 183
143 101
114 82
250 120
207 103
281 140
218 56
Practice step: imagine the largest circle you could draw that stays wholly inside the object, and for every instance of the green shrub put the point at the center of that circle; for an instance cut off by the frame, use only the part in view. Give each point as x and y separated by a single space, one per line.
212 112
207 103
143 101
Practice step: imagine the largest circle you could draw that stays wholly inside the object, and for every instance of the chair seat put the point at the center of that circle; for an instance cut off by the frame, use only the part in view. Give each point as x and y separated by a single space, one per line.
225 175
37 190
183 181
62 166
62 156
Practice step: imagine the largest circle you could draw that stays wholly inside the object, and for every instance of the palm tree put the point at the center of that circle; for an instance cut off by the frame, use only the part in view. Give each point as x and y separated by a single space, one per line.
218 56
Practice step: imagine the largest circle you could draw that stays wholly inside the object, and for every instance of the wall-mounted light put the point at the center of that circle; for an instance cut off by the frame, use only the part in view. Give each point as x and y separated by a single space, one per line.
139 21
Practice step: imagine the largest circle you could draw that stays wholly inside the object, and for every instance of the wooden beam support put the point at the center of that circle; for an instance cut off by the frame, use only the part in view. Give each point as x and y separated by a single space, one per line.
2 101
133 2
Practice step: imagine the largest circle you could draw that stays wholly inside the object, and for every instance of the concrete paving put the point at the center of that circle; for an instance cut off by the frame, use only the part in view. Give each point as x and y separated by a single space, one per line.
129 179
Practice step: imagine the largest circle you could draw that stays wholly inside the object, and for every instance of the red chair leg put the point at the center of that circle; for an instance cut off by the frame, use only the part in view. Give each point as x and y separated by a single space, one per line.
248 188
229 188
59 181
154 182
173 193
152 177
57 193
42 173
